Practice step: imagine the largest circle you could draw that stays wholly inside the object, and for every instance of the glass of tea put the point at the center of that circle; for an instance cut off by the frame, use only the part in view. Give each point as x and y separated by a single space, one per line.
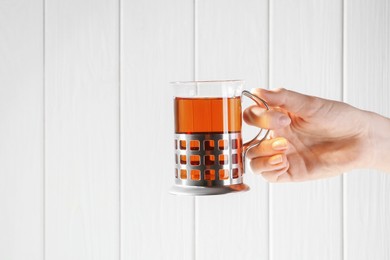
209 151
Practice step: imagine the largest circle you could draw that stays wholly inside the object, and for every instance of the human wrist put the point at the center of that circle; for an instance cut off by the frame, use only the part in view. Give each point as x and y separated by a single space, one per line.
379 142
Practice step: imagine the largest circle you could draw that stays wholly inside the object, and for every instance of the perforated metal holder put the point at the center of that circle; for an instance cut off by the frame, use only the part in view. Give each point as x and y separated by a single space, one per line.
208 164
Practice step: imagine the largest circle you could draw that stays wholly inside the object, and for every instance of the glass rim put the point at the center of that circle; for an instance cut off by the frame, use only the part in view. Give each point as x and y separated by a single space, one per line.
229 81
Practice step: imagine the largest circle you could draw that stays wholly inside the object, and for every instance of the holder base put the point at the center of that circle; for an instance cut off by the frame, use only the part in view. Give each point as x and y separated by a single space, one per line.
205 191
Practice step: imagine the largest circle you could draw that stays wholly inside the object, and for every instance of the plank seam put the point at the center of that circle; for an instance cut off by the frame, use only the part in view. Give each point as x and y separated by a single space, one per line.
44 129
120 127
343 98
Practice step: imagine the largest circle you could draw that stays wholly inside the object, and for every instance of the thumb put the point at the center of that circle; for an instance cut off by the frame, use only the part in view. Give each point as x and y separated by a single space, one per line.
294 102
268 119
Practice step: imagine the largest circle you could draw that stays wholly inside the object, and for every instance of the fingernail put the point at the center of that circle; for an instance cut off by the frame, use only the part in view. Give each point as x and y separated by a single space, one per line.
279 144
257 111
275 159
284 120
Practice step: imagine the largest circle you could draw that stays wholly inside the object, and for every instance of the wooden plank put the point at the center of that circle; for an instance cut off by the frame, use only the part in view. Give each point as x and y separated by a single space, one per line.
82 129
367 81
306 56
21 129
157 47
232 43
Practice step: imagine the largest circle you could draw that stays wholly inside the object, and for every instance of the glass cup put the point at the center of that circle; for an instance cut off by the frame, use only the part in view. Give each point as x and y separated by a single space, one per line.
209 152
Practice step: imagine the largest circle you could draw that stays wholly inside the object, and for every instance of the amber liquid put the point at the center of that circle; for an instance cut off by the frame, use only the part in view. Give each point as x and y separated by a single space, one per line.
207 115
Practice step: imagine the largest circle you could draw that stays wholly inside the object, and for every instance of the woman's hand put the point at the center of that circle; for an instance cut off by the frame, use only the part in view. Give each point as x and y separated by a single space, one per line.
315 138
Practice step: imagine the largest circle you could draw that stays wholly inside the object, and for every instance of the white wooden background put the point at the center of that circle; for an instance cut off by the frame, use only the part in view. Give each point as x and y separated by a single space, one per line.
86 127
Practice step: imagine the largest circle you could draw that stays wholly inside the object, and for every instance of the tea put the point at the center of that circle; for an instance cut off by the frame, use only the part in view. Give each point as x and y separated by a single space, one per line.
207 115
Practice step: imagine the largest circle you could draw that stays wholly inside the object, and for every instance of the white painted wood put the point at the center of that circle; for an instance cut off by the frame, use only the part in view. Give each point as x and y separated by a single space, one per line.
367 86
232 42
306 56
101 191
157 47
82 129
21 130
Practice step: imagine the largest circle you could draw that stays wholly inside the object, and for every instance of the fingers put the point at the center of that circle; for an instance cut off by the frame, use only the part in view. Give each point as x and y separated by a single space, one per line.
268 119
269 163
269 159
268 147
272 172
291 101
280 175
